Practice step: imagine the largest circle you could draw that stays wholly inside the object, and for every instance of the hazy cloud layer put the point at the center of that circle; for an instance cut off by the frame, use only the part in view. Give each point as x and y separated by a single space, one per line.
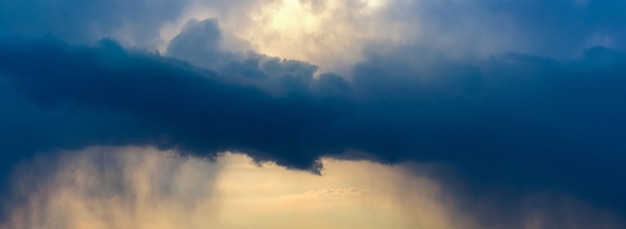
144 188
135 23
560 28
108 187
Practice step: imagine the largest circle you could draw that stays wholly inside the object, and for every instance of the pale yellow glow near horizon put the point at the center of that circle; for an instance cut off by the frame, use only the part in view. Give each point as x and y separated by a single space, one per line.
348 195
146 189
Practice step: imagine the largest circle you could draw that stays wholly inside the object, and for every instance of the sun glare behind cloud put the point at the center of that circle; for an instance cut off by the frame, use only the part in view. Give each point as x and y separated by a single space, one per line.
328 33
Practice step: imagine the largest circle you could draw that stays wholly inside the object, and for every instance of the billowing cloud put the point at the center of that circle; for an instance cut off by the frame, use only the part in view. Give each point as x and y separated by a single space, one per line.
332 34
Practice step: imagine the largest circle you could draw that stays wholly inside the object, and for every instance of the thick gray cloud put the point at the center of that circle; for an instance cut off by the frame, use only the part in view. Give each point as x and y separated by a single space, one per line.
536 122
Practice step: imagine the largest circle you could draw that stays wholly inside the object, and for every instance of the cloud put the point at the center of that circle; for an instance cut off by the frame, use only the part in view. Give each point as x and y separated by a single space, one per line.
135 23
508 124
537 122
516 97
210 105
198 43
109 187
333 34
330 34
558 28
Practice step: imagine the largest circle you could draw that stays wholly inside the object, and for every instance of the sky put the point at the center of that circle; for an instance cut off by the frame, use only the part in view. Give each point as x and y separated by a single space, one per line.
435 114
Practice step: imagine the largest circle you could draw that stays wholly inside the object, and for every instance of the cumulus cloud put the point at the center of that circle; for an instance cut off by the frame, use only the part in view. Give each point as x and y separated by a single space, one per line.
333 34
330 34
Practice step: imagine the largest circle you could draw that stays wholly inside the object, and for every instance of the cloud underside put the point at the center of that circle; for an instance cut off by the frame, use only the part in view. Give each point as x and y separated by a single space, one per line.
535 121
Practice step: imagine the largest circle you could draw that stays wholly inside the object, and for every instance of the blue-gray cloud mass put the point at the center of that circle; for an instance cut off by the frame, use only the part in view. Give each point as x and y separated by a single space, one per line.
521 120
136 21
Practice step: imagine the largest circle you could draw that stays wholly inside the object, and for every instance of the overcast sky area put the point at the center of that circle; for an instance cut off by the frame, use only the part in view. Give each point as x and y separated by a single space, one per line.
435 114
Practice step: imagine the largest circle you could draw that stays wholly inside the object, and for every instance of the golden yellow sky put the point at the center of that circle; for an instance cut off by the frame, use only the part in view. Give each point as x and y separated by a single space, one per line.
144 188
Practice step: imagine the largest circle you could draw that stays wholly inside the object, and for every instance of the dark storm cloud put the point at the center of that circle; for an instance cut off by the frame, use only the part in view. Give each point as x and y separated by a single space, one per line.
523 121
187 107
